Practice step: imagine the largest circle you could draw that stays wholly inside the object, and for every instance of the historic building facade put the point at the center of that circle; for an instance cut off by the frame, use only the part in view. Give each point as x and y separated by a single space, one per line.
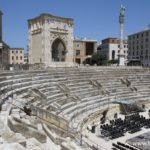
26 60
16 56
139 48
83 49
111 48
50 39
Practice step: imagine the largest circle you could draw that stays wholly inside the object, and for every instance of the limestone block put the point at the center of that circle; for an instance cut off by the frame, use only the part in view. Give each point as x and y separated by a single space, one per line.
56 139
70 146
25 130
13 146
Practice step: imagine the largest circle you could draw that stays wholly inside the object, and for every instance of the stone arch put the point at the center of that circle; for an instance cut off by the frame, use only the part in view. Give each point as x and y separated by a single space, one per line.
58 50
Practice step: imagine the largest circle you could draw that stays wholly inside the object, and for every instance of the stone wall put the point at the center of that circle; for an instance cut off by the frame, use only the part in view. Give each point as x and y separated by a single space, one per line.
26 130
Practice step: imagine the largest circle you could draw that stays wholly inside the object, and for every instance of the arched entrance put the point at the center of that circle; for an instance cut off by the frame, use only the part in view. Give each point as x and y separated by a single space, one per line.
58 50
113 54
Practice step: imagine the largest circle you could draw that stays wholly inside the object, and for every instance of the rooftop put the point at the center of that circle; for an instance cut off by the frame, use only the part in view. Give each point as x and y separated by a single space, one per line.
16 48
145 30
110 38
51 16
85 39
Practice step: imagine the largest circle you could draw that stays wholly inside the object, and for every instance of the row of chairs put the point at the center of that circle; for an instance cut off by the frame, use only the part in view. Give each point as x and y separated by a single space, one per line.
122 146
132 123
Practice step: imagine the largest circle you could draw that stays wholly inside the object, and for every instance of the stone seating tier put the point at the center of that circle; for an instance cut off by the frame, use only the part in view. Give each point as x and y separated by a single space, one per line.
77 80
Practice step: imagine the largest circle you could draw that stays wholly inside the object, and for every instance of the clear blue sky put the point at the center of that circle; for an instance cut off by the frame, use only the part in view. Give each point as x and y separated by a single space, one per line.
95 19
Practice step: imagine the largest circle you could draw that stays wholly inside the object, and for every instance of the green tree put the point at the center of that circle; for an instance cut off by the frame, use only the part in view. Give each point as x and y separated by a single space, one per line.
87 61
98 59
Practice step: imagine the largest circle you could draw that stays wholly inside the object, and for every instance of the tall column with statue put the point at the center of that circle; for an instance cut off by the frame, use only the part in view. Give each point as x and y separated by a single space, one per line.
121 55
1 26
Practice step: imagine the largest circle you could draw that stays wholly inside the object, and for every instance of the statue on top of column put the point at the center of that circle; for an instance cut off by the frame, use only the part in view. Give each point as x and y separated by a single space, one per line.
122 10
121 16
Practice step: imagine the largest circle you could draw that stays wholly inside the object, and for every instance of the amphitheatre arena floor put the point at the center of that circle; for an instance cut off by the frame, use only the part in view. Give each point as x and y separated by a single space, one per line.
105 143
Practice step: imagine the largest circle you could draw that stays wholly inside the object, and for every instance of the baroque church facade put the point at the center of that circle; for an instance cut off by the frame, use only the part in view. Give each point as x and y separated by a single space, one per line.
50 39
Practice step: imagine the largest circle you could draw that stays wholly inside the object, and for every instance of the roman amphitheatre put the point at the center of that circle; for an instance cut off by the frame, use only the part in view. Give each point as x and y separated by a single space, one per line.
85 108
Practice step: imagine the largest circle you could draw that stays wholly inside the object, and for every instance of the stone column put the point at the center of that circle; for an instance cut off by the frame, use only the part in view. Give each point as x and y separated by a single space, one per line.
121 21
1 26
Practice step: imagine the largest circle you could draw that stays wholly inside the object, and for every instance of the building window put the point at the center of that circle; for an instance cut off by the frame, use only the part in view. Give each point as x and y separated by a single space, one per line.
133 53
141 46
16 51
12 57
113 54
124 46
77 52
142 35
12 51
129 38
146 52
137 52
20 51
89 48
77 45
20 57
146 39
16 57
118 46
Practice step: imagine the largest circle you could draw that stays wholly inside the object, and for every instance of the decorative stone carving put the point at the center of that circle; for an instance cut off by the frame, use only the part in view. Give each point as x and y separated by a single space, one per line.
44 31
